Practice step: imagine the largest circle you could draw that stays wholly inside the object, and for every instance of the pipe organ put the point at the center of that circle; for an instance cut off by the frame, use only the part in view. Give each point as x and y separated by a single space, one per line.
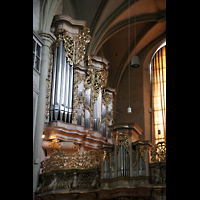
62 86
127 157
92 100
77 91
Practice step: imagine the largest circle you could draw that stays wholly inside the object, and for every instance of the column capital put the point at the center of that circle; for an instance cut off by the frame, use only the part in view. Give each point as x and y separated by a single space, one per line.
47 37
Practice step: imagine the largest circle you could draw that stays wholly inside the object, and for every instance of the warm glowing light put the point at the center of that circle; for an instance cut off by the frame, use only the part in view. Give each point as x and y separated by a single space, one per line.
159 94
43 136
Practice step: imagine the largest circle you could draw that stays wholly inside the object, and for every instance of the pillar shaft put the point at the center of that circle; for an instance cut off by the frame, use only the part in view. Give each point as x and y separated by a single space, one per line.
47 38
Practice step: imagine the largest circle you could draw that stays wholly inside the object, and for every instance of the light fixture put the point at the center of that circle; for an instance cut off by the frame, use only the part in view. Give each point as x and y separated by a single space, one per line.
36 161
129 109
135 61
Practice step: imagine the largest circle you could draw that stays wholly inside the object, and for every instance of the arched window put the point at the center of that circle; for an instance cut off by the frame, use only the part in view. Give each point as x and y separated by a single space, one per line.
158 77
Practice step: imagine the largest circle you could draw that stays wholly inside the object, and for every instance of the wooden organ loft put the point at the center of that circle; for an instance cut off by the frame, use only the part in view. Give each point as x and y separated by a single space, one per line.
87 156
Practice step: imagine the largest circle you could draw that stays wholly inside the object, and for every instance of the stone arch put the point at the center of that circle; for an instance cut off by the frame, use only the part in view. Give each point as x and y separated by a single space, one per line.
47 12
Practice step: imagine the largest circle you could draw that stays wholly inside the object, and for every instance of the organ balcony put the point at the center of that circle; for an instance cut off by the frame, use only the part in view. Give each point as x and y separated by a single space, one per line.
127 169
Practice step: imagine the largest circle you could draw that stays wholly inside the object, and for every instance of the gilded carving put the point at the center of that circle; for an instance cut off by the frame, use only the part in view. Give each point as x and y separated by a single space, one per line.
69 47
55 144
85 180
74 46
125 141
141 151
108 156
99 81
64 181
77 100
75 52
107 97
83 39
49 86
158 152
61 160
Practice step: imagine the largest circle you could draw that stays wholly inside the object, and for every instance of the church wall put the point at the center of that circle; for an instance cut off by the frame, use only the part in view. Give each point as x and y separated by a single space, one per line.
136 98
140 93
36 15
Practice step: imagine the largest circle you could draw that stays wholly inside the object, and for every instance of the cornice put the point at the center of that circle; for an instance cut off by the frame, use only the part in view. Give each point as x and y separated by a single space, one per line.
126 126
47 36
74 133
69 20
38 37
99 59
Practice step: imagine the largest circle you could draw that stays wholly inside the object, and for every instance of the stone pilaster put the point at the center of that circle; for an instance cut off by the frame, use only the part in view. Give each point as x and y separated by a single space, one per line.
47 38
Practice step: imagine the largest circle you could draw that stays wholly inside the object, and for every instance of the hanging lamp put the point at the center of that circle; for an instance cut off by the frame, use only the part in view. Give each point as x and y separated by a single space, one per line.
135 61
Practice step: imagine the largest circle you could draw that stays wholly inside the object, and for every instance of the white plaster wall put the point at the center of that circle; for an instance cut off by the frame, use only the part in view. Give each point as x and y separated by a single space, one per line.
36 14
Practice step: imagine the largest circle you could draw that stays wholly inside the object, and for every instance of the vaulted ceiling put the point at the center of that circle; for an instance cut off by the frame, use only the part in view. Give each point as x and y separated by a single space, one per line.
108 21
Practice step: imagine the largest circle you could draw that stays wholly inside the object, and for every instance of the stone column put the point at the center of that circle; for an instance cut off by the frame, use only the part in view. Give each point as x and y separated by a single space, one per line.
47 38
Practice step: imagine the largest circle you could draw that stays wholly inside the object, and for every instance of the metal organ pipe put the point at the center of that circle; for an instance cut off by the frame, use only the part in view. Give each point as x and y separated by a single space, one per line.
123 161
97 113
67 91
53 85
58 81
70 93
63 72
62 86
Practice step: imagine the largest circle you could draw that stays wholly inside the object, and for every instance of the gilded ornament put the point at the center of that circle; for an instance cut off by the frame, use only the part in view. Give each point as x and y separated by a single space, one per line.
49 86
125 141
141 151
55 144
158 152
61 160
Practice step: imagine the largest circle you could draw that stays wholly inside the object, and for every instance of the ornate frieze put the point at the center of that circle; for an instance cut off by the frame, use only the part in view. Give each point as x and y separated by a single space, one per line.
61 160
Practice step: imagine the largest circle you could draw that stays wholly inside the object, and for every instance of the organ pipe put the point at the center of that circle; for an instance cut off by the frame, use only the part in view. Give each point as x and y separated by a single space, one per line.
90 86
63 73
123 161
97 113
53 85
106 169
58 81
67 91
70 93
62 86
